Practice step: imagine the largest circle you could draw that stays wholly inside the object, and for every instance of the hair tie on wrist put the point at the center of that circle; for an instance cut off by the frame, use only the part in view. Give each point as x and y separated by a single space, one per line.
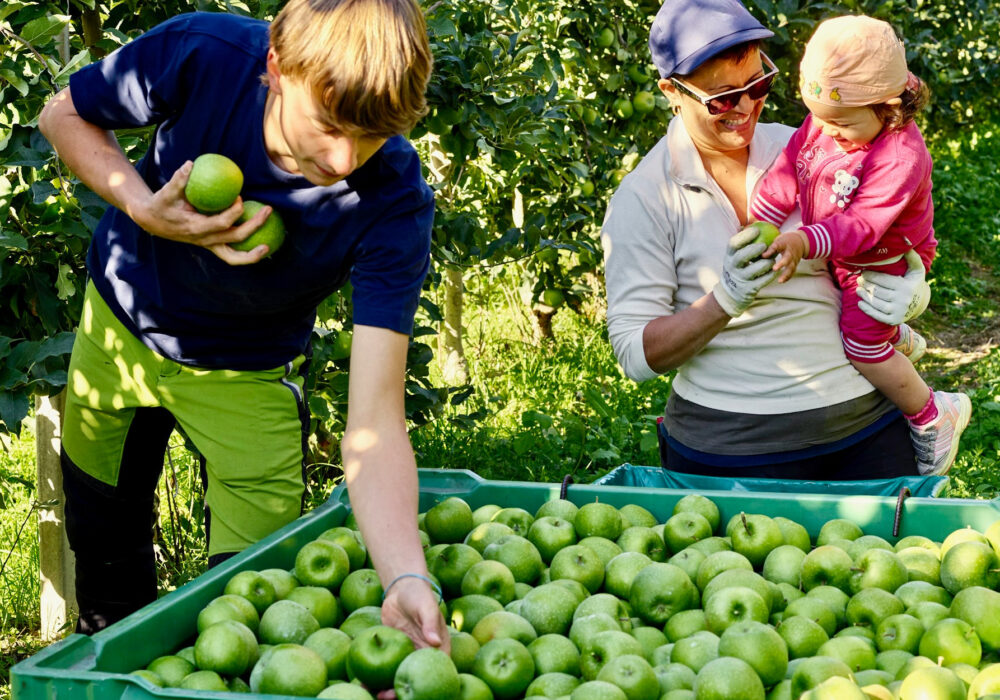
434 586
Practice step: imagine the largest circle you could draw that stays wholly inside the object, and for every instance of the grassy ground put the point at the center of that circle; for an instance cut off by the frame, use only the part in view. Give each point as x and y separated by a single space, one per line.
543 410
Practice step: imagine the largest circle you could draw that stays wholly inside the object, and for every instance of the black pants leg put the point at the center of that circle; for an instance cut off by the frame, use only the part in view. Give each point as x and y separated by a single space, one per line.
110 528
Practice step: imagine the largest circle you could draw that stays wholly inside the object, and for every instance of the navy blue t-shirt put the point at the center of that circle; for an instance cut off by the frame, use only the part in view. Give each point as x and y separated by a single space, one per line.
197 76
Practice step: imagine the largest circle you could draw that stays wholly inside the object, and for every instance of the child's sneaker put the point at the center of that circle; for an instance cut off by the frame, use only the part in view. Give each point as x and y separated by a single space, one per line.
910 343
936 443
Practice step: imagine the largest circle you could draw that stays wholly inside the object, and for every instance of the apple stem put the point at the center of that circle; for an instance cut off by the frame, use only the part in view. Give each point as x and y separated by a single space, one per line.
743 517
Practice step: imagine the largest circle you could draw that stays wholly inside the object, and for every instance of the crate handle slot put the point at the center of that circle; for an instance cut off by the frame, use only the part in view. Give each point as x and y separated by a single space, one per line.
904 493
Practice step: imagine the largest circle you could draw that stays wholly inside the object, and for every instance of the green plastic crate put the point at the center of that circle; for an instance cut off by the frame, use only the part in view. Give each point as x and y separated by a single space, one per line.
96 668
633 475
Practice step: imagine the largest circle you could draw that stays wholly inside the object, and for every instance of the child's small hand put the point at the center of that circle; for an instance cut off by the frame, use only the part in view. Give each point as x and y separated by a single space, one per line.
791 247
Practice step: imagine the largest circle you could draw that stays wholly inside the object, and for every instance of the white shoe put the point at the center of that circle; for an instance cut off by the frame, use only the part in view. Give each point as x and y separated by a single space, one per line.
936 443
910 343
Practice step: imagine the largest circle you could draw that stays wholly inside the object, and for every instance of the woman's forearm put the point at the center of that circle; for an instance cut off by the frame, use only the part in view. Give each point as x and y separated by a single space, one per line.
670 341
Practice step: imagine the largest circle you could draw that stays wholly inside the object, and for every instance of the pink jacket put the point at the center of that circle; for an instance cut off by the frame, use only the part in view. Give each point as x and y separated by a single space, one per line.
859 208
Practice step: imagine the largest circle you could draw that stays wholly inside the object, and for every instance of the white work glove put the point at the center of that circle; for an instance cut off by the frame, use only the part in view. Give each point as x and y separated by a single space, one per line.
892 299
744 273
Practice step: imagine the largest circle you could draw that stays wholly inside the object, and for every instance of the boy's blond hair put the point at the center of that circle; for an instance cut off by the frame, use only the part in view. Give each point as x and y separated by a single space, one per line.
368 61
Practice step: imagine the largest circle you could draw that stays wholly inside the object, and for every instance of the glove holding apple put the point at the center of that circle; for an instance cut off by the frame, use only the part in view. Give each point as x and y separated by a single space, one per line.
892 299
744 272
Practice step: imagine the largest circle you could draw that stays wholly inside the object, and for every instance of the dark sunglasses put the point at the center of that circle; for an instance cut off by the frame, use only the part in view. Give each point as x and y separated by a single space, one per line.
725 101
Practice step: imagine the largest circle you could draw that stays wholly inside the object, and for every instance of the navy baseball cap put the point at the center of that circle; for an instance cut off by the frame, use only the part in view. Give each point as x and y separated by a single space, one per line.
686 33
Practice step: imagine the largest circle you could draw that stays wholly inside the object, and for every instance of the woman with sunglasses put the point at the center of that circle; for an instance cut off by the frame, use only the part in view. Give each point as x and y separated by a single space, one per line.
762 385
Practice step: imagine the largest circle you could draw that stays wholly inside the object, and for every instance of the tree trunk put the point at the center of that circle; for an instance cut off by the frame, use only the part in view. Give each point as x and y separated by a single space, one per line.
451 353
544 319
56 561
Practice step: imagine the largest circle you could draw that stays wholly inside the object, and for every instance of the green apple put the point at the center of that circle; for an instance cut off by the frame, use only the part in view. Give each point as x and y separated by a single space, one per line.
254 587
465 612
814 609
603 547
150 677
661 590
674 676
598 519
803 636
759 645
331 645
913 592
651 638
980 607
740 577
282 580
696 651
361 587
864 632
451 565
838 529
858 653
172 669
552 684
812 671
464 648
836 688
697 503
755 536
621 570
786 594
555 653
323 605
644 540
322 563
597 690
912 664
585 627
929 612
286 622
992 535
289 669
579 563
375 654
577 589
503 625
827 565
203 680
228 607
473 688
873 676
918 541
711 545
794 533
449 521
685 528
951 641
731 605
549 534
361 619
426 674
489 578
716 563
688 560
862 544
342 690
892 660
604 646
900 631
608 604
483 535
506 666
932 682
229 648
351 542
635 515
964 534
877 568
519 555
484 514
783 564
557 508
517 519
969 563
921 564
728 678
870 606
549 609
986 682
766 232
633 674
685 623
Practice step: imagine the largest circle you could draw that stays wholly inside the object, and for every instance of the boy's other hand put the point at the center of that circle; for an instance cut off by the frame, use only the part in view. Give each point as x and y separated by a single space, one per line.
168 214
790 247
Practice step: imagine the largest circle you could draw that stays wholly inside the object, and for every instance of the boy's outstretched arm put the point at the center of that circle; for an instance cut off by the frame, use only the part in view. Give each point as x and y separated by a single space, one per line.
94 155
382 483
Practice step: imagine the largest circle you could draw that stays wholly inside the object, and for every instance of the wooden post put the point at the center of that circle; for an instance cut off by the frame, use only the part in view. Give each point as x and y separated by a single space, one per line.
57 564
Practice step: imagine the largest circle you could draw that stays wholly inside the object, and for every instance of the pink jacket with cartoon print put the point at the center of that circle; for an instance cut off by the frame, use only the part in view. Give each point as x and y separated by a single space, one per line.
859 208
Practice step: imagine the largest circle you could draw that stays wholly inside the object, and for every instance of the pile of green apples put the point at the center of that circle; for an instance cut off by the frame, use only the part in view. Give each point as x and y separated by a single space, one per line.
598 602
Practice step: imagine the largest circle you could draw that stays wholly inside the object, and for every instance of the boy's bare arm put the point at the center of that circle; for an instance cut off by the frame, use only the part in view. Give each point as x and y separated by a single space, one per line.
95 156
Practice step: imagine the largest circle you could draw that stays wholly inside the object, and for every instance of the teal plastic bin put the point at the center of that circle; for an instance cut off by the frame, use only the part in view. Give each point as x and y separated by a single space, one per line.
656 477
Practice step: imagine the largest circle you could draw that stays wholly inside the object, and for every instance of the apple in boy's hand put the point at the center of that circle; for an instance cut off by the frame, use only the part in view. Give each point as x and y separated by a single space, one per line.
766 232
